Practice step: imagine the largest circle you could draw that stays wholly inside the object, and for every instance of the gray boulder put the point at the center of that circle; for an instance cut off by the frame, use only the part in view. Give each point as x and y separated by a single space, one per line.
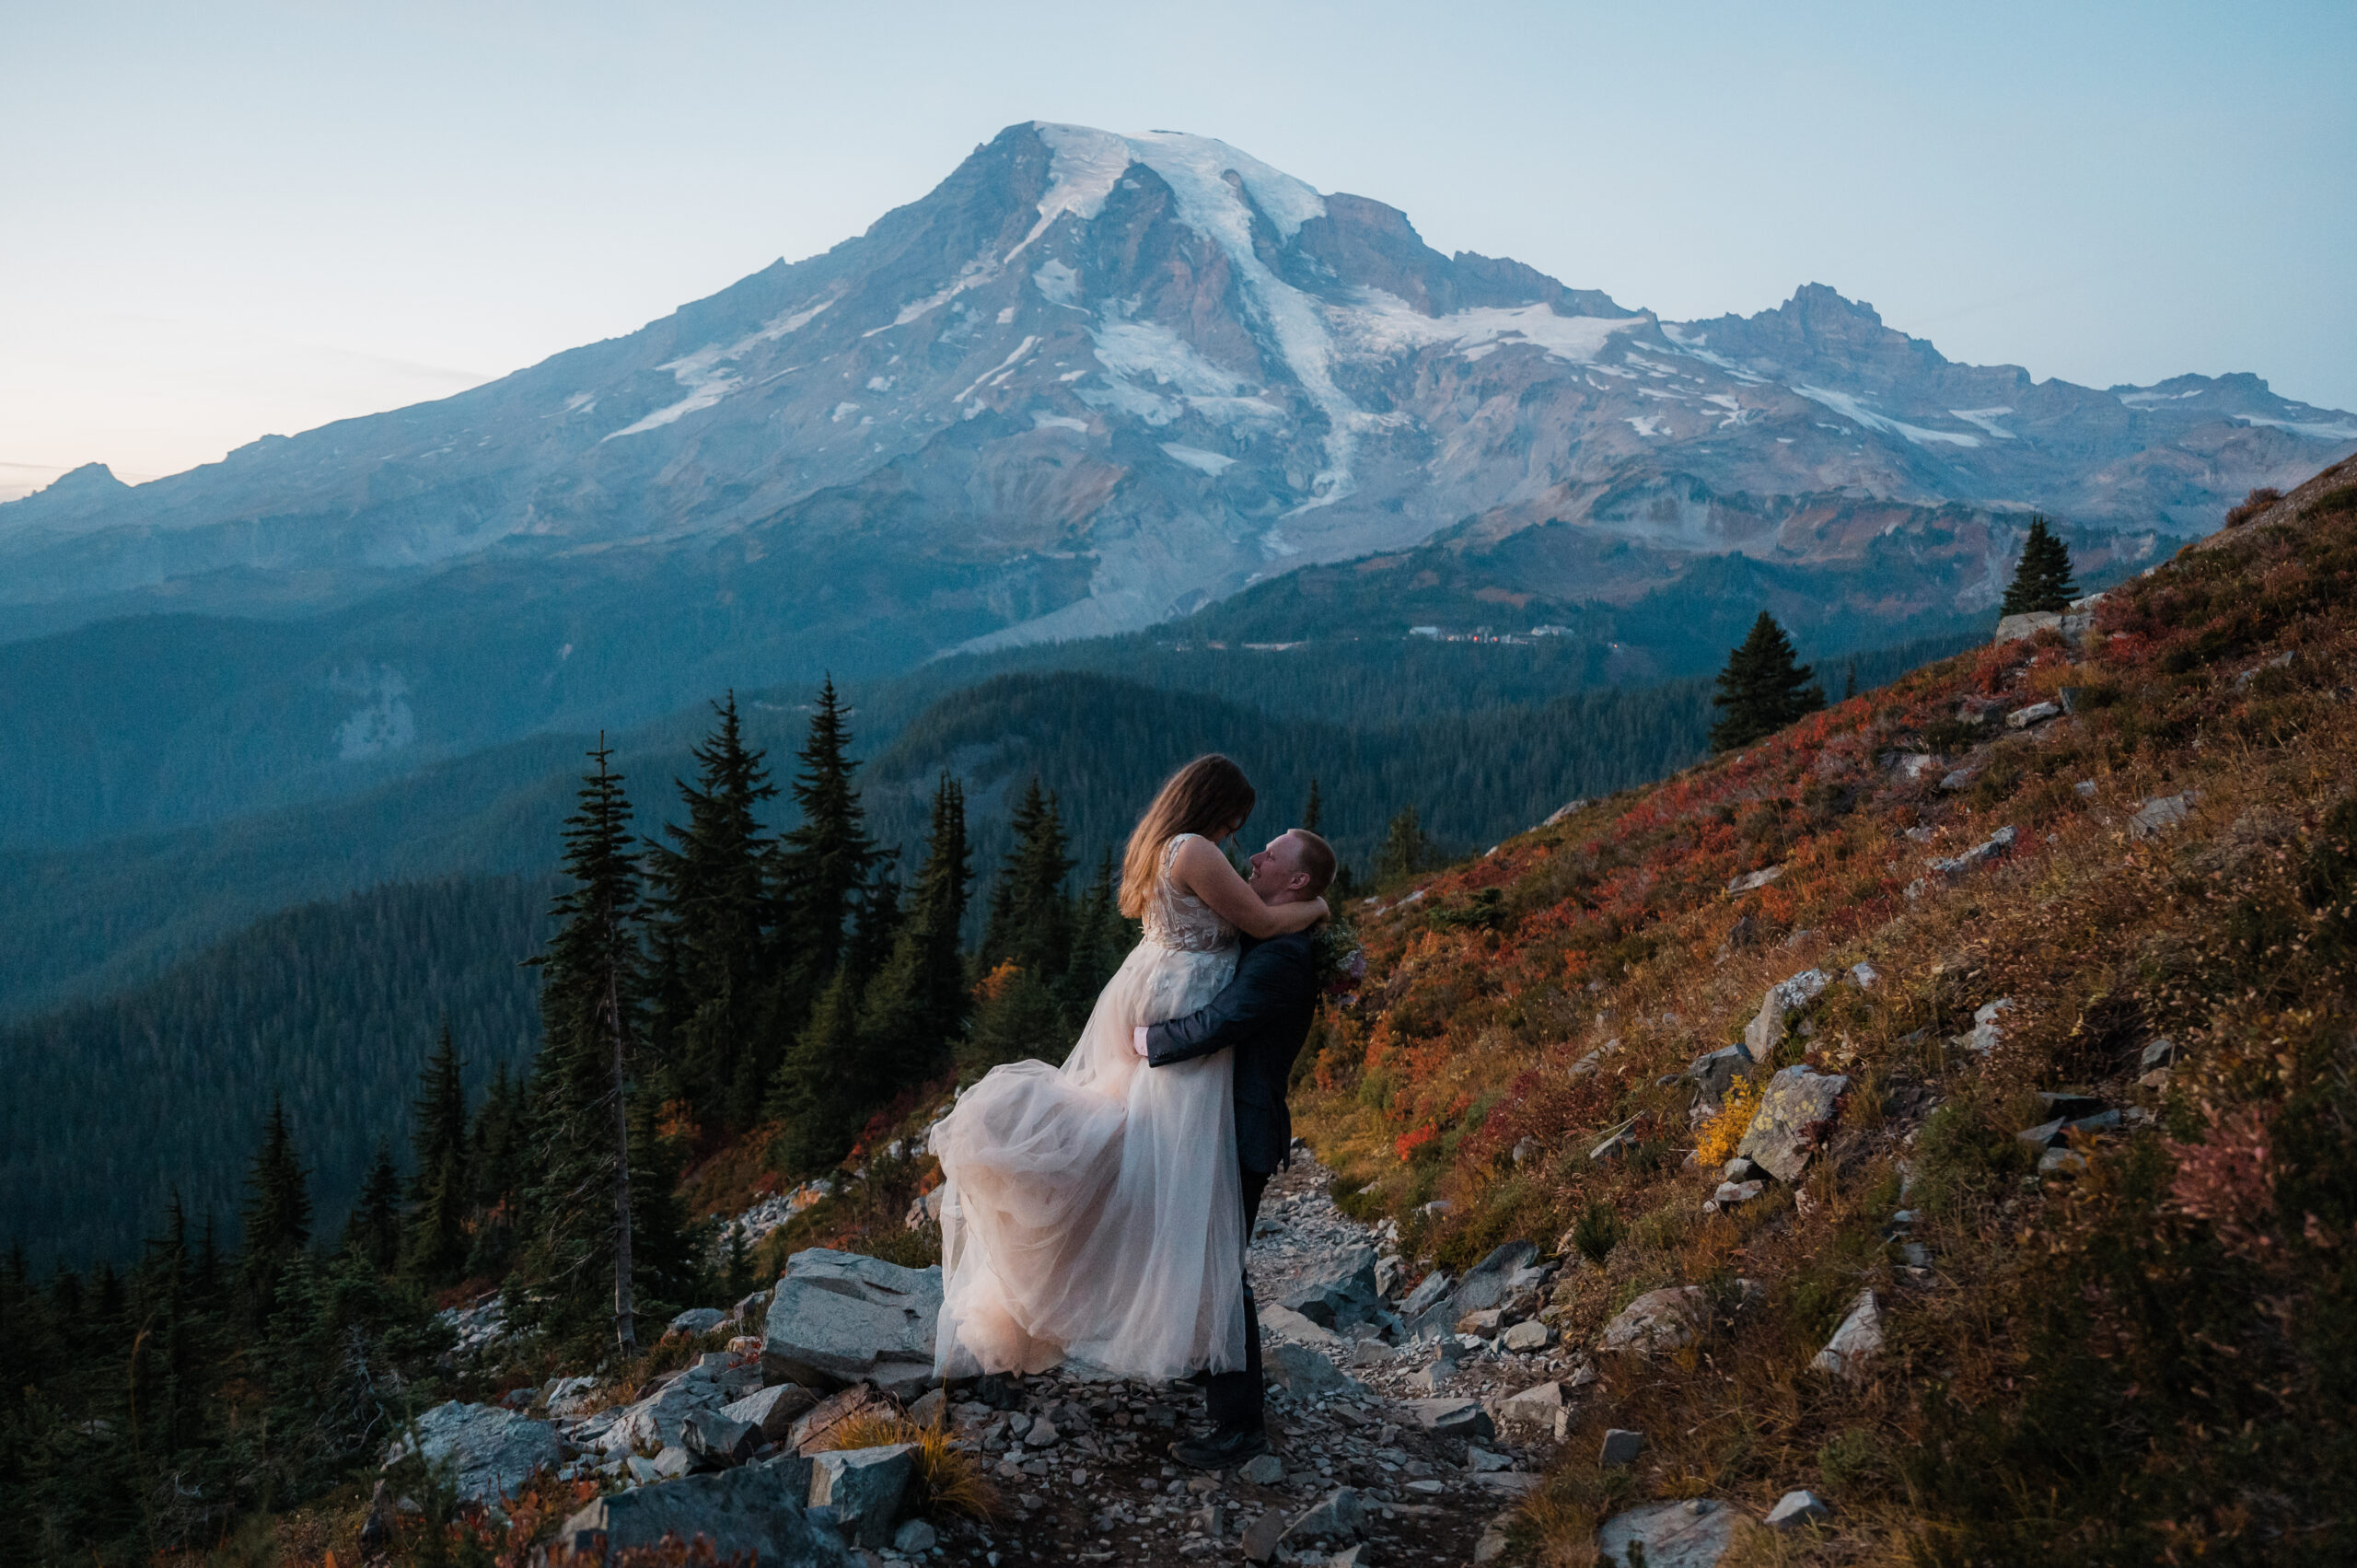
1782 999
696 1320
713 1438
1486 1284
839 1318
772 1410
1857 1342
1714 1071
1620 1448
864 1486
2027 623
658 1420
1794 1112
1540 1411
1659 1319
490 1451
1338 1290
1302 1371
814 1428
1692 1534
753 1510
1340 1516
1427 1295
1796 1508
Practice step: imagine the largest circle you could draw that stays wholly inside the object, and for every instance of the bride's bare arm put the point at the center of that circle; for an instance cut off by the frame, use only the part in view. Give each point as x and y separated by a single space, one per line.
1201 869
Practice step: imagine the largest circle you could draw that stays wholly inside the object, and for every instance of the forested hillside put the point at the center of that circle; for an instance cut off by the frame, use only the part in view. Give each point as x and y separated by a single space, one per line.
115 1106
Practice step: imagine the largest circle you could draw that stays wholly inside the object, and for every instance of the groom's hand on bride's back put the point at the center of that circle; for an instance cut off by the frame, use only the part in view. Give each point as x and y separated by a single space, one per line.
1137 1038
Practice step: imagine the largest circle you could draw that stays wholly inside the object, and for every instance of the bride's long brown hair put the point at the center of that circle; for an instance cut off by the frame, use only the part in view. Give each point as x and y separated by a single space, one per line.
1206 795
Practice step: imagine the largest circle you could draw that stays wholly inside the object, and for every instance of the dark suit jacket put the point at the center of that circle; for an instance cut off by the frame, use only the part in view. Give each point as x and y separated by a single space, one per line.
1265 1014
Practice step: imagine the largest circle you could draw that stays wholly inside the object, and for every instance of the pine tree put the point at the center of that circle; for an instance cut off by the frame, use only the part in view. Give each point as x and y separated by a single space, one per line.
816 1091
433 1242
590 1000
709 932
1030 920
2042 581
1405 850
664 1245
824 861
277 1214
1313 810
1762 689
1100 940
373 1229
914 1008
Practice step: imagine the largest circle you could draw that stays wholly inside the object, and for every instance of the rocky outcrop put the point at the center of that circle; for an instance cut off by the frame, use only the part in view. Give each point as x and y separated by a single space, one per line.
839 1318
490 1452
1338 1291
1783 999
755 1510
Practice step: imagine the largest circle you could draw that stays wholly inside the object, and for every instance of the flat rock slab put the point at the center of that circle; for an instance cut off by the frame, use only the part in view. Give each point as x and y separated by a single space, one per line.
739 1512
1303 1372
839 1318
1794 1110
1453 1418
491 1451
1693 1534
814 1428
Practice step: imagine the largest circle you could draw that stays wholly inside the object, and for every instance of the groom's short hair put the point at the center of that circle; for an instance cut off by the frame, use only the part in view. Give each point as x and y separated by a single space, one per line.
1317 858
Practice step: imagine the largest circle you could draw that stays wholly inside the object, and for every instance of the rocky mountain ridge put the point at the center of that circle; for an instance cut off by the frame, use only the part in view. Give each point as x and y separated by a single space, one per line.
1092 380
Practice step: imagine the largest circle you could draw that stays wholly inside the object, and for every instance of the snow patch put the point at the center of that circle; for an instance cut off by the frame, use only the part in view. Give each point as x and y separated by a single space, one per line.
1986 418
1058 422
2153 399
1212 463
2302 427
1646 424
701 372
998 370
1851 408
1057 283
383 724
1381 325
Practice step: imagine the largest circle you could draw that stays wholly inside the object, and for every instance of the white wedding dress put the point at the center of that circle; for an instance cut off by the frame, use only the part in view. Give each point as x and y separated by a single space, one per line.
1092 1212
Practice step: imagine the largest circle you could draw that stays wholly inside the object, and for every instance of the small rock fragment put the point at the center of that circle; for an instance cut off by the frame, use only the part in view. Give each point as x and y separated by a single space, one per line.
1263 1469
1796 1508
1621 1447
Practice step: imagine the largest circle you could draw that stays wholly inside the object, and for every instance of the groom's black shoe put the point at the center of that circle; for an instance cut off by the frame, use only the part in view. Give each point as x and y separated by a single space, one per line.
1220 1450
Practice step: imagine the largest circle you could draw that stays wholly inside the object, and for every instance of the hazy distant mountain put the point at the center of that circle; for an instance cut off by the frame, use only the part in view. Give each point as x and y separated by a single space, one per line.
1089 382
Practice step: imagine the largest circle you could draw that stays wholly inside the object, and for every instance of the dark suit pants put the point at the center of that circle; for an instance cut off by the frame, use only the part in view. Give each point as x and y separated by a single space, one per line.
1235 1398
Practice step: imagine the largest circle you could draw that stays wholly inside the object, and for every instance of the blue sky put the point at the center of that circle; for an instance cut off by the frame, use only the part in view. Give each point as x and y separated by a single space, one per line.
232 219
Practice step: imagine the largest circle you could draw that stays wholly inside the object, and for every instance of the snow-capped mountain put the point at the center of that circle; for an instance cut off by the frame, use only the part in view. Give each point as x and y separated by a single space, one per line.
1092 380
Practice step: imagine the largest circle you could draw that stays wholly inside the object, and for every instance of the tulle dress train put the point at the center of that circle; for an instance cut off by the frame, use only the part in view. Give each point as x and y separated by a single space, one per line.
1092 1212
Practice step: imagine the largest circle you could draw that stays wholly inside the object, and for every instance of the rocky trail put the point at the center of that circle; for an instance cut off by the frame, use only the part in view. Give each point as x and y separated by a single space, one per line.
1396 1437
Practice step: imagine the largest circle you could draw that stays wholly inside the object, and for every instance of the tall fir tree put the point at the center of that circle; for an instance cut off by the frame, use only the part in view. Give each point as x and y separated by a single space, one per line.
1030 919
592 979
1313 810
1405 849
277 1214
498 1143
1100 941
816 1092
1762 689
914 1009
373 1229
824 859
2042 581
709 932
434 1241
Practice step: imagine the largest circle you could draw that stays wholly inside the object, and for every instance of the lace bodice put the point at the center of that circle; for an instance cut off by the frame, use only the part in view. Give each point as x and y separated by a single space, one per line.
1177 919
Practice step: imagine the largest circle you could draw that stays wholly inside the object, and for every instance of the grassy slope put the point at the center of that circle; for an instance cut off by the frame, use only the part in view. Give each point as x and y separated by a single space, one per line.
2151 1361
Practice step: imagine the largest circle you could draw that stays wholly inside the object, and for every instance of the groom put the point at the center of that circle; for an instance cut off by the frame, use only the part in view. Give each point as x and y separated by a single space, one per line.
1264 1012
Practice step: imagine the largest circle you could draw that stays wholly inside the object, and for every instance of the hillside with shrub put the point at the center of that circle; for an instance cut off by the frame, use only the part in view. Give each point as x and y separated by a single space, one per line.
2043 962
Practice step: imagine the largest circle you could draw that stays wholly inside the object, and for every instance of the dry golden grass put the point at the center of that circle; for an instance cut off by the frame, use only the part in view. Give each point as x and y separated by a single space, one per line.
949 1479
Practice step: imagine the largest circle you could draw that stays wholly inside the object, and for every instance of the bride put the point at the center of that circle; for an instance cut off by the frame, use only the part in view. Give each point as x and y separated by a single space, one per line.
1093 1211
